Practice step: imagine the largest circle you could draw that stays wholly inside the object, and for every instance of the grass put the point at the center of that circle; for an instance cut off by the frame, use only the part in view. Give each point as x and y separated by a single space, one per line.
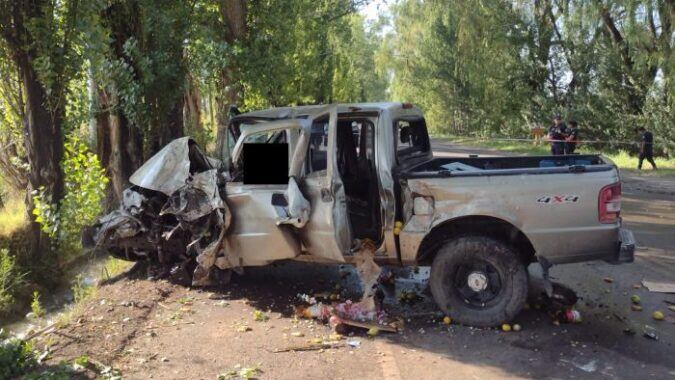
622 159
114 267
19 277
12 216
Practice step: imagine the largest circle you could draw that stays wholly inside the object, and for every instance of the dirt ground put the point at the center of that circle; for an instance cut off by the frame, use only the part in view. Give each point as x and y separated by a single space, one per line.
165 331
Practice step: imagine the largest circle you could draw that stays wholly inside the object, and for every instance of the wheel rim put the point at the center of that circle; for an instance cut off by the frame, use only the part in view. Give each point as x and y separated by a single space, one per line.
478 283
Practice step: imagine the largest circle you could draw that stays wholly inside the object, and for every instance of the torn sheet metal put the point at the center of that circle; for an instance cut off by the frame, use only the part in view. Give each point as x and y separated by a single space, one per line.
368 272
118 224
169 169
132 201
298 206
659 286
198 198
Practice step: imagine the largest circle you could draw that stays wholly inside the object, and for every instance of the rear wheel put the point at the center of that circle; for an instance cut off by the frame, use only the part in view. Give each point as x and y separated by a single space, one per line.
478 281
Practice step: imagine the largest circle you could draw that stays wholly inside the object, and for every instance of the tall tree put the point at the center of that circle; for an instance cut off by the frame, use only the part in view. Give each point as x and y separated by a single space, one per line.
38 34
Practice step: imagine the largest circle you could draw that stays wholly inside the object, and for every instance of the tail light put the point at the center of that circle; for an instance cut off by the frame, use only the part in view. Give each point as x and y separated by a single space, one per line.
609 203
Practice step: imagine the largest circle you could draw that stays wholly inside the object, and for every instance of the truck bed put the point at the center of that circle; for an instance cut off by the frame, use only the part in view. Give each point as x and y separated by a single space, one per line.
482 166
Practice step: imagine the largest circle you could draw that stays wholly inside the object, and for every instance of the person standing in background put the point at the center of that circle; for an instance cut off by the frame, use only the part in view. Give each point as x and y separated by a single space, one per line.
646 148
572 137
556 135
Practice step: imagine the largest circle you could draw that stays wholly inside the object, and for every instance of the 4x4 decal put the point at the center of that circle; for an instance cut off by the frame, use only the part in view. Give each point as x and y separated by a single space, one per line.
558 199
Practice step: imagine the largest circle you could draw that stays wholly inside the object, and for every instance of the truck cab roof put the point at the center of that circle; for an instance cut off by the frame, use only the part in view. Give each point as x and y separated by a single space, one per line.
300 111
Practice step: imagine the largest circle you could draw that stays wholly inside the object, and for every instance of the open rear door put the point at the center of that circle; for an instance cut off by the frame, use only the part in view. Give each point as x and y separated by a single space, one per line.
327 235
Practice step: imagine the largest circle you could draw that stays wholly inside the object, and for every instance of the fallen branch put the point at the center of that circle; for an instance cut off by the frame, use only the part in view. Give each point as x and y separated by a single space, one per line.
368 325
39 332
310 347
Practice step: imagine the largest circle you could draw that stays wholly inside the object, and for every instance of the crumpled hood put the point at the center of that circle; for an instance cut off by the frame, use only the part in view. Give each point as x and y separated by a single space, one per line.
166 171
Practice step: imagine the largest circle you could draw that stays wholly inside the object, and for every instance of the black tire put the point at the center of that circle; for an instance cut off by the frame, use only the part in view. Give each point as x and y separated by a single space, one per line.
478 281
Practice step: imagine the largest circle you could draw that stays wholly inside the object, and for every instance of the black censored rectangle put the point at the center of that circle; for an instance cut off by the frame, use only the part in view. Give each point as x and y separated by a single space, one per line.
265 164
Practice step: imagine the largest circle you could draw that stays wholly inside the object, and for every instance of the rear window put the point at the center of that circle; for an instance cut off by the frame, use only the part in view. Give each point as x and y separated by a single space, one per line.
411 138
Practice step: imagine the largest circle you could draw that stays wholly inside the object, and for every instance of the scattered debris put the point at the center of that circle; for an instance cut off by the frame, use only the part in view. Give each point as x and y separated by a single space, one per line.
659 287
650 333
260 316
572 316
635 299
311 347
239 372
517 327
297 334
366 325
636 307
354 343
447 320
408 296
365 314
368 272
608 280
506 327
658 315
589 367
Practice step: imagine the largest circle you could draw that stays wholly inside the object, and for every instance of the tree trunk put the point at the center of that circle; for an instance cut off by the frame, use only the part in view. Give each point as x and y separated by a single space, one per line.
192 112
119 146
43 138
174 124
44 148
636 95
225 98
233 13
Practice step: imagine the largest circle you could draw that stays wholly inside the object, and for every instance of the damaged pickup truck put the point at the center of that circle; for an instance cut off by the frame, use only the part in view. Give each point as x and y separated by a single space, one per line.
343 174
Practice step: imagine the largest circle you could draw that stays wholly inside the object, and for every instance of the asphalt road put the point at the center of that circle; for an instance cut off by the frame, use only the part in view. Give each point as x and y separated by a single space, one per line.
159 330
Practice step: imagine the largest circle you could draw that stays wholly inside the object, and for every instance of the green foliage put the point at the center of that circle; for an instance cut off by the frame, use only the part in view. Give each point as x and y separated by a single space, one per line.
497 67
85 185
11 279
60 372
18 360
36 305
243 373
299 52
16 357
81 290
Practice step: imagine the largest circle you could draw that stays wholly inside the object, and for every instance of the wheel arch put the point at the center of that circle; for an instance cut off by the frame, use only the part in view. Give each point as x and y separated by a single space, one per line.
476 225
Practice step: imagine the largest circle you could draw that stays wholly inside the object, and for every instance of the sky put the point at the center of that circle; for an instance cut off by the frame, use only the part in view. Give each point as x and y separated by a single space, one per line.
374 7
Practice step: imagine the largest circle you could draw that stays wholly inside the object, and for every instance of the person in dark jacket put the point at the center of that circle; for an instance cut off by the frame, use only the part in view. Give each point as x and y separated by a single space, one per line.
572 137
646 148
556 135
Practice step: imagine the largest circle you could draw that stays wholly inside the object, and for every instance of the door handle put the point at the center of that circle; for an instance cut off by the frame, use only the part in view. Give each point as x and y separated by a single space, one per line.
326 195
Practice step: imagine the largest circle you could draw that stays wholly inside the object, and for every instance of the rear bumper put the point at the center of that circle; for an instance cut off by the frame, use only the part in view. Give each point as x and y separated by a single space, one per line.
626 250
621 251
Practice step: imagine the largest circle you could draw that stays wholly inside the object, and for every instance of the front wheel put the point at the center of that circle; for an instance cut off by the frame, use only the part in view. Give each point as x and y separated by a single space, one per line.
478 281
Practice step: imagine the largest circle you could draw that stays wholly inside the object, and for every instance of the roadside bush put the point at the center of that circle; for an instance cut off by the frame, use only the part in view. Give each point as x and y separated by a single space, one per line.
11 280
85 183
16 357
